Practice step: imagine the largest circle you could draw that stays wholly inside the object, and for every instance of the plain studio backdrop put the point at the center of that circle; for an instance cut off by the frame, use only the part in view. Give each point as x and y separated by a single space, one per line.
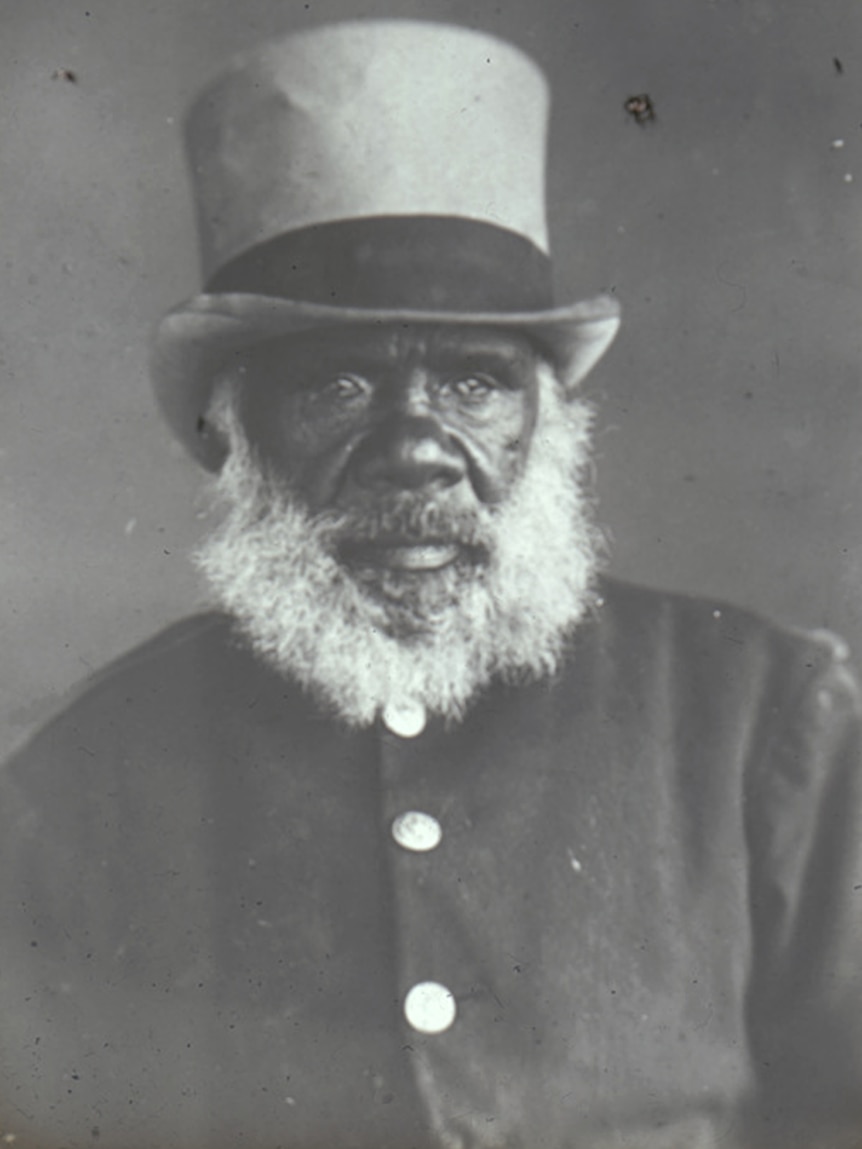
728 449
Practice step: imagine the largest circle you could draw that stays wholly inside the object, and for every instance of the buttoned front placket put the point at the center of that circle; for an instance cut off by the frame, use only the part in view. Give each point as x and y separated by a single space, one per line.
429 1006
447 1007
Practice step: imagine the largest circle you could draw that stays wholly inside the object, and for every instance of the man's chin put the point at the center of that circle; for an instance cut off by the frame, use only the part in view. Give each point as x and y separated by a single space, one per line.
415 601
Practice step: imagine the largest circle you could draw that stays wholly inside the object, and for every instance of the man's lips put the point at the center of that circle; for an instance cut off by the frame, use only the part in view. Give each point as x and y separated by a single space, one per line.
403 554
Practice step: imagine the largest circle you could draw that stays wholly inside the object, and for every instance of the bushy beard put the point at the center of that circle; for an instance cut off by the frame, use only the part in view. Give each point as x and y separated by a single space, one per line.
358 637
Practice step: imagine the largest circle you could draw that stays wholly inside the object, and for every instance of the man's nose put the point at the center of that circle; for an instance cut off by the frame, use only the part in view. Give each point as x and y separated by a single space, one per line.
409 452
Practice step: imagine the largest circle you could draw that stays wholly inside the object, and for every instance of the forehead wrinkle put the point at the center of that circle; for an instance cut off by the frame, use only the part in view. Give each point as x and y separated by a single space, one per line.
393 347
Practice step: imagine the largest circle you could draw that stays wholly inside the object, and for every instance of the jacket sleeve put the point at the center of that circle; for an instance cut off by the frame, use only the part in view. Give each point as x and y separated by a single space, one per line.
804 826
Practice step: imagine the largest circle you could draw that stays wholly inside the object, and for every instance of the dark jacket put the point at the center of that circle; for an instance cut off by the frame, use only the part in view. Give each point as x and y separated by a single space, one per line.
647 903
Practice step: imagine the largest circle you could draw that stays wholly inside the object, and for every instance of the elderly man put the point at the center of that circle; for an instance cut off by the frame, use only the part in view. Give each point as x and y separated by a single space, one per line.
430 836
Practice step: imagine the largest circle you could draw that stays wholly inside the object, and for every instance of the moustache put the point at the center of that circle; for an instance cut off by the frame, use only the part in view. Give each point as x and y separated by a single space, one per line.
409 520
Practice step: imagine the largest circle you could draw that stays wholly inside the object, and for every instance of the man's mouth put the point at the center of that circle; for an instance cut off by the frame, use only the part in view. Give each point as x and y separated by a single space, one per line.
403 555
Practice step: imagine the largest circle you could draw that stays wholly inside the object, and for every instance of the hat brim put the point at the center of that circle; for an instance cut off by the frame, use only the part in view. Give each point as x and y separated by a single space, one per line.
193 343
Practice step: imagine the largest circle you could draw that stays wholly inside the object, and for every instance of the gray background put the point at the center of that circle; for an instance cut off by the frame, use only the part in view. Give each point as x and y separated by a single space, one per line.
728 450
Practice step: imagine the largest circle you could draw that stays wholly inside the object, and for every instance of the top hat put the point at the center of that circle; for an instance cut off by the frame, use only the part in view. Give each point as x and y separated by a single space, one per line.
364 172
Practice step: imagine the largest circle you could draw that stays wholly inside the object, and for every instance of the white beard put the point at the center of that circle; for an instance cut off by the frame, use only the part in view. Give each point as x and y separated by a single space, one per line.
357 642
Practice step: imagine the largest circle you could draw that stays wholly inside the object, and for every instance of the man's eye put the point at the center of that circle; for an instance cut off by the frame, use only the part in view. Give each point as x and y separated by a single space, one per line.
472 386
342 387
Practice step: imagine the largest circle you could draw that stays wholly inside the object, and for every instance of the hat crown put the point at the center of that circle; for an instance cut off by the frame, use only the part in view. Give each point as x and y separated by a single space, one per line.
368 119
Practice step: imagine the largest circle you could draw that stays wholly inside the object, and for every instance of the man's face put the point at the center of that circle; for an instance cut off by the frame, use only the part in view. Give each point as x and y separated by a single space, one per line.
356 419
405 514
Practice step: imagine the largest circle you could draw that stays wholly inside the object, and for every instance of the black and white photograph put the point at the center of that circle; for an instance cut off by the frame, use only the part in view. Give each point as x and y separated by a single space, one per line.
431 574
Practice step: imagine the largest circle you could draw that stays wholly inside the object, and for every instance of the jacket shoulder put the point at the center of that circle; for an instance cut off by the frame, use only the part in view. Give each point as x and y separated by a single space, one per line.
712 625
717 658
178 641
162 676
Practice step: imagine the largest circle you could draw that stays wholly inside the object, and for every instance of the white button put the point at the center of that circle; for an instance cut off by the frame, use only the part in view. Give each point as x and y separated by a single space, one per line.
405 718
430 1007
417 831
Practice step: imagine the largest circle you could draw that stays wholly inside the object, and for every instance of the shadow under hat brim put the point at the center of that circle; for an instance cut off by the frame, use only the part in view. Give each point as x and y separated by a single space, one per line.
192 344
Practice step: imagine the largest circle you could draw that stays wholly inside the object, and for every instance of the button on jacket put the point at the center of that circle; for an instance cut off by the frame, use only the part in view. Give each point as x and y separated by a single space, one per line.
619 908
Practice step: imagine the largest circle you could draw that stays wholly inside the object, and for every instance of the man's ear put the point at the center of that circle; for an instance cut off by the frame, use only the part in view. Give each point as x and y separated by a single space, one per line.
213 422
214 449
